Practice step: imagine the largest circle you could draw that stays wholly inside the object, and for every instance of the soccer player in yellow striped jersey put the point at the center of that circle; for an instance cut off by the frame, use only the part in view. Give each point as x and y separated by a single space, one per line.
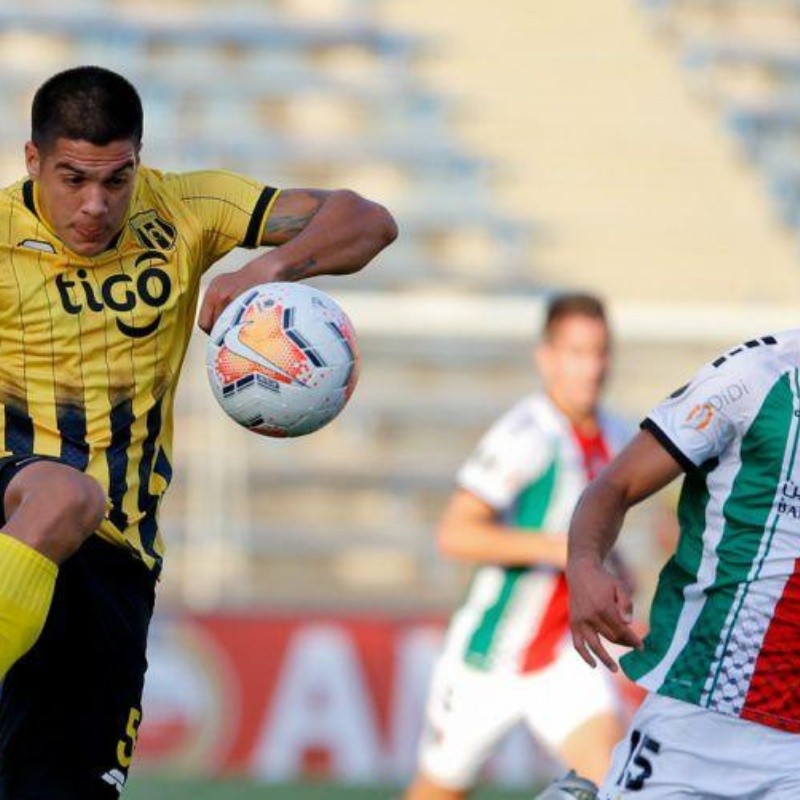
100 267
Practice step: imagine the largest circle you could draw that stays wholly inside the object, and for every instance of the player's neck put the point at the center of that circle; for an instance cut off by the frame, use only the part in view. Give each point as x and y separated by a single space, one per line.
583 420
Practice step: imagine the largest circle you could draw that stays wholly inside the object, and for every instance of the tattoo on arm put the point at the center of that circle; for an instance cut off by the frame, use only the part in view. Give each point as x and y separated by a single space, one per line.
287 226
304 204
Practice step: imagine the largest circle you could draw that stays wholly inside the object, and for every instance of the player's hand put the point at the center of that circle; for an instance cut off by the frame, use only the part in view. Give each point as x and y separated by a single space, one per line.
225 288
219 293
600 605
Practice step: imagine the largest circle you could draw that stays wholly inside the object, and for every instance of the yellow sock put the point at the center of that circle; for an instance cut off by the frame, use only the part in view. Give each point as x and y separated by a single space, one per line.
27 580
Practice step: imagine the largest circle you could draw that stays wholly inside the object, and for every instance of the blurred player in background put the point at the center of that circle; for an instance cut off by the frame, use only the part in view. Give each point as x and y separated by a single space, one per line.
100 267
722 659
507 656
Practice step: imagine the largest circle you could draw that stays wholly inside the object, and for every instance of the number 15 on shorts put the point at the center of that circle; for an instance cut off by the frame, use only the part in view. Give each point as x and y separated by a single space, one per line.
638 767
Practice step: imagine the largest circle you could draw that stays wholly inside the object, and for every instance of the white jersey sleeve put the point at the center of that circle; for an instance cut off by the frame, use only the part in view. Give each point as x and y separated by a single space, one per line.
698 421
512 453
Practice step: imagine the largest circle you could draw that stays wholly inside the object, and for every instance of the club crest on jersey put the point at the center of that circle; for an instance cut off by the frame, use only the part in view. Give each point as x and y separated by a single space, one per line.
151 231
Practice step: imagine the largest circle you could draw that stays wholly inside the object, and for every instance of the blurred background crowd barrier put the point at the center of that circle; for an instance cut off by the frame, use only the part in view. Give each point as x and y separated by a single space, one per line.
646 151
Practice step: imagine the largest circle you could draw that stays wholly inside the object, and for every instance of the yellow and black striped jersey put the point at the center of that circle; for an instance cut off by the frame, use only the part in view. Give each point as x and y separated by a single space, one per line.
91 347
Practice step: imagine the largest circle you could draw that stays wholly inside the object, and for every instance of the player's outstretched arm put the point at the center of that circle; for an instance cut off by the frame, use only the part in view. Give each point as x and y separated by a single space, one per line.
325 232
470 530
600 604
313 232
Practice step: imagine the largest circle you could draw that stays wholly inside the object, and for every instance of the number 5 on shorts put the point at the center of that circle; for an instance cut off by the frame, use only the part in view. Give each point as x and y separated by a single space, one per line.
126 746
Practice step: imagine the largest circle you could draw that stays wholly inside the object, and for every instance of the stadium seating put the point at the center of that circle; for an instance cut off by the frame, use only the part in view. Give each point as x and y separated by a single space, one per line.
743 56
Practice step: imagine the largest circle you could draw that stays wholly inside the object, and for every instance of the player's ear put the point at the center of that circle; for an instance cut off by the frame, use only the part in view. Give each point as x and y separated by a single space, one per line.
32 160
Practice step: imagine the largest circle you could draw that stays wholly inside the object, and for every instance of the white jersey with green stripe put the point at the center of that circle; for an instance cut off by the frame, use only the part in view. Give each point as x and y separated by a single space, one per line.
530 468
725 620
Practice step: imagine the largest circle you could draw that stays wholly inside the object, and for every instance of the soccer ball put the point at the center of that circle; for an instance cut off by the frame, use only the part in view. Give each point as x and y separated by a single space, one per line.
282 359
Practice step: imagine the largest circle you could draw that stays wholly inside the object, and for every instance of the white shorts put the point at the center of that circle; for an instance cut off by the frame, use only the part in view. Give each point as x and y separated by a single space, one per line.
469 711
676 751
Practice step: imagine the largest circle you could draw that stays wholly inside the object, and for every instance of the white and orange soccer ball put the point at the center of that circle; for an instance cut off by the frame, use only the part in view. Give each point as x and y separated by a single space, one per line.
283 359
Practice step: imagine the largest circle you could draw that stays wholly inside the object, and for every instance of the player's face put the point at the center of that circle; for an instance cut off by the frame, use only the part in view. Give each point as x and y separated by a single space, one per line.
574 363
83 189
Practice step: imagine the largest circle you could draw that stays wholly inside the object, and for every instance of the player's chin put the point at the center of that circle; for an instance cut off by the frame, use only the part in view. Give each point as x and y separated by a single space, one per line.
589 399
89 247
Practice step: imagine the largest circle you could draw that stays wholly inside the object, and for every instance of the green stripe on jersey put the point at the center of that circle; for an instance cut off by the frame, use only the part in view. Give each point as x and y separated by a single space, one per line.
746 512
531 510
678 573
533 504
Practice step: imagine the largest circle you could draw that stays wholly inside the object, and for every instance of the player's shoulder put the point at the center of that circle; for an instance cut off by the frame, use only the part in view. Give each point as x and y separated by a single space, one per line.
150 185
529 414
17 211
204 182
759 360
179 196
13 191
735 383
513 449
531 422
13 194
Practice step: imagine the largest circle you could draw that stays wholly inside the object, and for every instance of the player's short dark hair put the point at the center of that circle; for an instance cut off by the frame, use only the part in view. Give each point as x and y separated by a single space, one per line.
572 304
89 103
